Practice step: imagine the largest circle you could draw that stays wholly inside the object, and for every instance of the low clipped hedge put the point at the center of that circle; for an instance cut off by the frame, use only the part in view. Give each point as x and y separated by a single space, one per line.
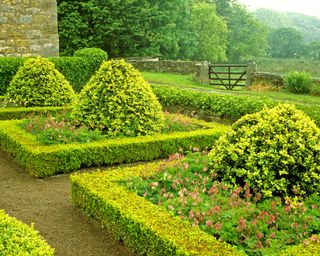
19 113
220 105
141 225
145 227
17 238
77 70
42 161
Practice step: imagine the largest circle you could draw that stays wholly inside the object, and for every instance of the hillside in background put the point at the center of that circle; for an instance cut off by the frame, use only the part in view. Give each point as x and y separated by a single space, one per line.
309 26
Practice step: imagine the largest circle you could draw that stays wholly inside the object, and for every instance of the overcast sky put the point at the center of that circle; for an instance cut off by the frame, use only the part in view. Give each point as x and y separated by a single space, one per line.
308 7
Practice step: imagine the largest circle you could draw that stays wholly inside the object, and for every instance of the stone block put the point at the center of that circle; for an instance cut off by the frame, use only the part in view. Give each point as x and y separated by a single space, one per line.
26 19
33 34
35 48
3 19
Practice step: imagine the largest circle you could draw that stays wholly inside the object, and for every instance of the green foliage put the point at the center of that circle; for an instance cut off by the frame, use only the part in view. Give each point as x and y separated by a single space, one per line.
285 43
38 83
77 70
141 225
298 82
43 161
276 151
118 101
211 33
247 36
309 26
225 106
17 238
236 216
93 54
8 68
132 28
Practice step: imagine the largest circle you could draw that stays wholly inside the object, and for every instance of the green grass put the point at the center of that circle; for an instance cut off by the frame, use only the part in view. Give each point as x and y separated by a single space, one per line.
187 82
283 66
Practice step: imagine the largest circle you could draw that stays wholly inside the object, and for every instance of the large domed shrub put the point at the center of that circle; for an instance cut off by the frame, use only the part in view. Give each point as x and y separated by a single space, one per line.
38 83
118 101
276 151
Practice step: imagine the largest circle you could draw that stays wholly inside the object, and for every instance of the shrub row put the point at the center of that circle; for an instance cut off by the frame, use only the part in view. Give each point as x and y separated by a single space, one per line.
42 161
19 113
220 105
141 225
17 238
77 70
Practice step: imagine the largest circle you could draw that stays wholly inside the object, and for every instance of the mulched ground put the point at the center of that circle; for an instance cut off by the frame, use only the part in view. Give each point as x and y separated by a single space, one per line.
47 204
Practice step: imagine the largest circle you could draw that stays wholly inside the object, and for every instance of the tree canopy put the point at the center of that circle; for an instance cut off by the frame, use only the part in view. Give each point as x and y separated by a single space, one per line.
213 30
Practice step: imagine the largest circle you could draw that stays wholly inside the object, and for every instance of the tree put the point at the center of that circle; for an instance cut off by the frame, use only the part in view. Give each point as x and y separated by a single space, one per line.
121 28
248 36
285 43
210 33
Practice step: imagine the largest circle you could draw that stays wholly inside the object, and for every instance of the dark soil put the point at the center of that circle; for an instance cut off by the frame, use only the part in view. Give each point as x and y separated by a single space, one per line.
47 204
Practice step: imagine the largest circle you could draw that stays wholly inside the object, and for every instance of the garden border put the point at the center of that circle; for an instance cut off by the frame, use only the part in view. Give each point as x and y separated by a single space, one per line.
145 227
42 161
141 225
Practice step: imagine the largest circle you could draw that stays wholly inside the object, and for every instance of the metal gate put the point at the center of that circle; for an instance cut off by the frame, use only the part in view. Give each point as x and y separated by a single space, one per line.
227 75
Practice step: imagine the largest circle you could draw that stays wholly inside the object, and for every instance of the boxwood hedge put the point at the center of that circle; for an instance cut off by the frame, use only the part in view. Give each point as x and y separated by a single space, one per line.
17 238
42 161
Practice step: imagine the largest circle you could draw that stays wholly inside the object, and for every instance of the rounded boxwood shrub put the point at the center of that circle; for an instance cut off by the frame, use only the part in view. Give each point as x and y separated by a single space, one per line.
119 102
275 151
38 83
92 54
298 82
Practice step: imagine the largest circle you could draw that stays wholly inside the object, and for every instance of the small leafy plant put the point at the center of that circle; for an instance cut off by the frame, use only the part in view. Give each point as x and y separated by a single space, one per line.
298 82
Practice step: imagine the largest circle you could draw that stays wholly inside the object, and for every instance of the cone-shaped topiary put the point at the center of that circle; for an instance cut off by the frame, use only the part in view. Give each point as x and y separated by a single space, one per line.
119 102
38 83
275 151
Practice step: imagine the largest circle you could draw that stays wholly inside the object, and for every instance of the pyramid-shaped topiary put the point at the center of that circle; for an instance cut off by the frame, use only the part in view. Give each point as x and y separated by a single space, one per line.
275 151
119 102
38 83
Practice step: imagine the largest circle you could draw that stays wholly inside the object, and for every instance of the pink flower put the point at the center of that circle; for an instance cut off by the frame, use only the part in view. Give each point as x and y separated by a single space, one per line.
209 223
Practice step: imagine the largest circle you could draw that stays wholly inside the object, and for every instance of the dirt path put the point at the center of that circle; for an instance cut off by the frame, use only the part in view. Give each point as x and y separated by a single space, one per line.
47 204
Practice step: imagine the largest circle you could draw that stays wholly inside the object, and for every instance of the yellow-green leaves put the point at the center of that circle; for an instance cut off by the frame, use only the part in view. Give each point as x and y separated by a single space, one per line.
38 83
119 102
275 151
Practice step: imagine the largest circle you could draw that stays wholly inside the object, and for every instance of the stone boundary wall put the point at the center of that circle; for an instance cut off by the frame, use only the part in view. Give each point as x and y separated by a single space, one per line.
163 66
28 28
266 77
274 79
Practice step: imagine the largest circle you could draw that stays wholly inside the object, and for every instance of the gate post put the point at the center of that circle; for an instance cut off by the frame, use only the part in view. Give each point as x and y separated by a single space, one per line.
201 72
251 69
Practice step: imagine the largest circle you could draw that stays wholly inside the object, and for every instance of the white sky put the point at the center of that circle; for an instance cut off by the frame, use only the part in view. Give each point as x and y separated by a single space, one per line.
308 7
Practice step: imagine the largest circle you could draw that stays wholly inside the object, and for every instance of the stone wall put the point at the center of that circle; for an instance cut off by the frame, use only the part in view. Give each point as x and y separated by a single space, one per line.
166 66
28 28
267 78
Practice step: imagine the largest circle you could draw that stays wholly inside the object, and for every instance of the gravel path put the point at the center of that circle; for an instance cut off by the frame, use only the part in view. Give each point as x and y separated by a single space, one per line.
47 204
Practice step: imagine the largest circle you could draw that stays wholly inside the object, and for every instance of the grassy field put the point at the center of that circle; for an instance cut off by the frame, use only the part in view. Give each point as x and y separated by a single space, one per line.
187 82
283 66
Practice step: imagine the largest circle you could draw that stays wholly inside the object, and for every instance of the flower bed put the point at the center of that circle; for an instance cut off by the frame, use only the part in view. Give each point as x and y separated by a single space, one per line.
237 215
155 230
17 238
42 160
142 226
